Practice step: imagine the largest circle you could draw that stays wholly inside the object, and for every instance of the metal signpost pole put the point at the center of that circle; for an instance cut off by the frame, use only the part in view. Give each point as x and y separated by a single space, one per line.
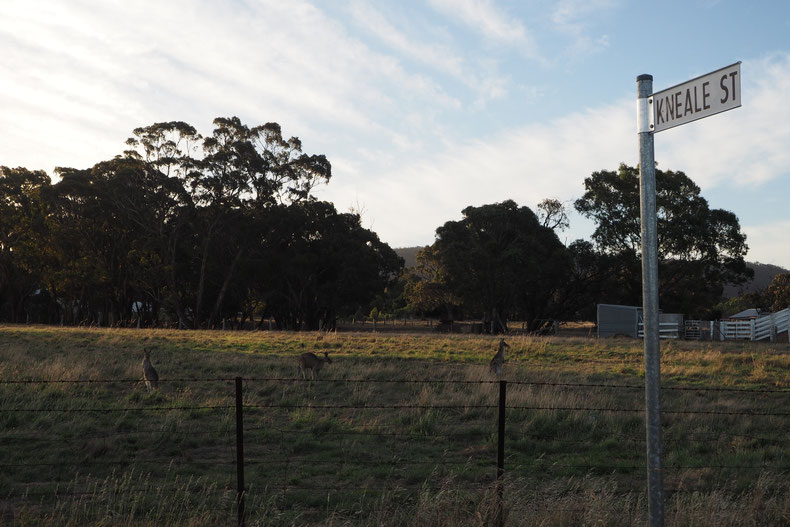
647 193
700 97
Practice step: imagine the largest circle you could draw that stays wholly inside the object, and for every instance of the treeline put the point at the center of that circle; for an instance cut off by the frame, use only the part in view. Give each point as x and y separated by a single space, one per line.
185 230
182 230
505 262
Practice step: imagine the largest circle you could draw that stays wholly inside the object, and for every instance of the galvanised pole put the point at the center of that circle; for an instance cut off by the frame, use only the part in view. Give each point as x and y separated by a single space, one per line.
240 491
500 456
647 195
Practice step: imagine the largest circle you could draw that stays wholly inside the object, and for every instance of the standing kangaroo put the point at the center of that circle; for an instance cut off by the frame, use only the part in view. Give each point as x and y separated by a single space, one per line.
150 376
499 358
309 361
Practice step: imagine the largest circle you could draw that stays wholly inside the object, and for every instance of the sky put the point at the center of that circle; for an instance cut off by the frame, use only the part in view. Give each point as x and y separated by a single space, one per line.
422 107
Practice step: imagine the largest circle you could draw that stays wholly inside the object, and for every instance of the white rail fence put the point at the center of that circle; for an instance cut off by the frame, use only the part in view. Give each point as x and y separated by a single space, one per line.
736 330
765 328
768 327
666 330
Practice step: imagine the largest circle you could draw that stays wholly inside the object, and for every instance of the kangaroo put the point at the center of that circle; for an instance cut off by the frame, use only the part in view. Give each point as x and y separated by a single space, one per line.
499 358
150 376
309 361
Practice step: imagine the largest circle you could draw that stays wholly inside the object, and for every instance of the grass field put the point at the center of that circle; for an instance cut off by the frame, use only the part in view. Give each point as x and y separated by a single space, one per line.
400 430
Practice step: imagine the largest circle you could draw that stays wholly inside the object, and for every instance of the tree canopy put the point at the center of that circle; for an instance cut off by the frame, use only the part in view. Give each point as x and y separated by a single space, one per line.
778 292
190 230
700 249
498 261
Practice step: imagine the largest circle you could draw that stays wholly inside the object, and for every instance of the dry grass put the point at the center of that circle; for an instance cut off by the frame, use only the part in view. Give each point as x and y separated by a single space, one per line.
165 464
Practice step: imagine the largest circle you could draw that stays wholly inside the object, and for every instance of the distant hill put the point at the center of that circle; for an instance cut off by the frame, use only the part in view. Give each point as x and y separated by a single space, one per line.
763 274
409 255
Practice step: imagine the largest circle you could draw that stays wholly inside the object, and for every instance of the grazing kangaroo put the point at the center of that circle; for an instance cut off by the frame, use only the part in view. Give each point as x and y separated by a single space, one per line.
499 358
150 376
309 361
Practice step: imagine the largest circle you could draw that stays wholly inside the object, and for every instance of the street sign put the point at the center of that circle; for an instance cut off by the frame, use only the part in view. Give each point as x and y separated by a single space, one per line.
698 98
704 96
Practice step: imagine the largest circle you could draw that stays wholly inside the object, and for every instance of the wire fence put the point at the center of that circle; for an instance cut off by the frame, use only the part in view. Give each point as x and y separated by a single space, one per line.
357 446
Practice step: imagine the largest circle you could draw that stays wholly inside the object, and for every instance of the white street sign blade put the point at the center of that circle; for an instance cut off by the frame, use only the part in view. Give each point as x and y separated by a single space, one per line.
698 98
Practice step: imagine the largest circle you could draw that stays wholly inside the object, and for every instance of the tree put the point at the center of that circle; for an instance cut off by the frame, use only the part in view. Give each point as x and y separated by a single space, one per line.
731 306
425 290
318 264
700 249
243 172
113 232
170 150
778 292
170 147
552 214
500 261
188 228
594 277
159 212
21 248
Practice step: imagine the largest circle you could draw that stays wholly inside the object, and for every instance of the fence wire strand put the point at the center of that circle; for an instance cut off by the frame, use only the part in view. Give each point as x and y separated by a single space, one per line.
511 383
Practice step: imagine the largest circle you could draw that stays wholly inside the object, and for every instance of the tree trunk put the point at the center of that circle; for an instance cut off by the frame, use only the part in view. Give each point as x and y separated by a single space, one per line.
201 284
202 280
225 284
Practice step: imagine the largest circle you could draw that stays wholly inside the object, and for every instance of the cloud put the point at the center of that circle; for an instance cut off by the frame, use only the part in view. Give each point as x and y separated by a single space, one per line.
746 146
573 19
437 56
768 243
526 164
441 57
91 72
492 23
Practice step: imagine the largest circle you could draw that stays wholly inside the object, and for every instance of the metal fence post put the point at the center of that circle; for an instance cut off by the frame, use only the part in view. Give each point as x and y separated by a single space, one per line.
649 225
500 456
239 454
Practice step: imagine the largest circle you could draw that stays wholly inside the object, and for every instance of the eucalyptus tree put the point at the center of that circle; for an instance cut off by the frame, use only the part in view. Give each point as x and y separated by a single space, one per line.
244 172
114 234
85 243
191 228
425 289
500 261
160 213
593 277
21 250
233 177
170 147
700 249
321 264
778 292
552 214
